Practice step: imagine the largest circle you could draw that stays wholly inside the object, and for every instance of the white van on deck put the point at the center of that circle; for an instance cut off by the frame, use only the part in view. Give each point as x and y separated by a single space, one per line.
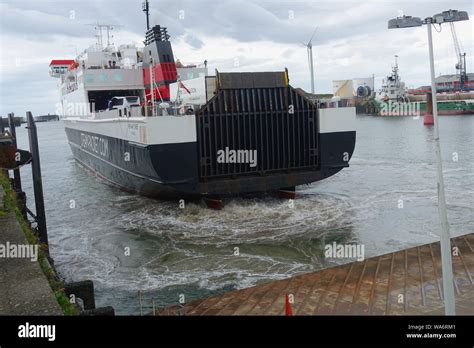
124 104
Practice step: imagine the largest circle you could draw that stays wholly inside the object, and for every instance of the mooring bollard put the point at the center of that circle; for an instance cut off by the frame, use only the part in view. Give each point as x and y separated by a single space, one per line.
83 290
428 119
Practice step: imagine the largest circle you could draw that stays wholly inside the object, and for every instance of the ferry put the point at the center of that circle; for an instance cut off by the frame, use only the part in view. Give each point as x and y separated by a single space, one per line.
149 124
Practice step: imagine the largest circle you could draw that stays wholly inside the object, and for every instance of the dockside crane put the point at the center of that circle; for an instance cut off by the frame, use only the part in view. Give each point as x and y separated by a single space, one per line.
461 64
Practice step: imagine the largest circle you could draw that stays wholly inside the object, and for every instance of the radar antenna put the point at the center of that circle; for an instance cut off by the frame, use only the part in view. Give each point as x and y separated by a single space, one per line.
146 9
99 33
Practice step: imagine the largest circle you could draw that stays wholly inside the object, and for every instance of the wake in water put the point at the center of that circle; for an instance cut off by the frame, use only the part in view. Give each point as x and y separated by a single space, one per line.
249 241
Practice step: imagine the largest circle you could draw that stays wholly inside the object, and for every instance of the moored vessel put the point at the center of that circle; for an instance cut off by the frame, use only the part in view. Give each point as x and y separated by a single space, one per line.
454 97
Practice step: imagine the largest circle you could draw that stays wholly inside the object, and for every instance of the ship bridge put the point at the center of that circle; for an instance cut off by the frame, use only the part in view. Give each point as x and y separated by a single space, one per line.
59 66
99 74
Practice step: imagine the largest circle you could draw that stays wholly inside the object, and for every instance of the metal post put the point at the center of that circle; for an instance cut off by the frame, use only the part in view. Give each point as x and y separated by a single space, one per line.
146 9
37 182
2 130
311 68
16 172
446 261
152 88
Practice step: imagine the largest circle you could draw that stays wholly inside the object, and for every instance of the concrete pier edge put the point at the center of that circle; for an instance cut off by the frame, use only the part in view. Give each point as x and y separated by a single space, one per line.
28 287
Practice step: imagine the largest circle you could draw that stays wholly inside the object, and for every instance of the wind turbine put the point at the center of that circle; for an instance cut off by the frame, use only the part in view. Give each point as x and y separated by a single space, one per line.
309 47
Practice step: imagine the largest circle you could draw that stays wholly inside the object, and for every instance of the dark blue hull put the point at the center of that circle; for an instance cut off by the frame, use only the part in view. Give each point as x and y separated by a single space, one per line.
171 170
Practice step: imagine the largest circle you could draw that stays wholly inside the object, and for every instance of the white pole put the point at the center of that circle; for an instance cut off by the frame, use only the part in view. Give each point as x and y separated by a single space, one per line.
446 261
152 88
311 67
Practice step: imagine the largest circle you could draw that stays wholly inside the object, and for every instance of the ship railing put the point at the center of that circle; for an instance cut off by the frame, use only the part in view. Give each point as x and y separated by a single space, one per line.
118 113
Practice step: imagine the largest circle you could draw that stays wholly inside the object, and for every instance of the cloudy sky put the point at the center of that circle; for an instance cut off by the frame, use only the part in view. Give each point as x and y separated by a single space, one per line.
352 39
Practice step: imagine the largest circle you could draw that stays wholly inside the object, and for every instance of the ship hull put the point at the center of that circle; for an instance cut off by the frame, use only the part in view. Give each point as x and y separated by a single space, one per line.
170 171
138 169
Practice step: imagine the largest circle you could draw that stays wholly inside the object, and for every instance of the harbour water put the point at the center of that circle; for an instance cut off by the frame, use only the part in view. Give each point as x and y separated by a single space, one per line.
386 200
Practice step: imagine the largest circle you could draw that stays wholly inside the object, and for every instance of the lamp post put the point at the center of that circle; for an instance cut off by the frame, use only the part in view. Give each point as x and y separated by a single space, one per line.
446 261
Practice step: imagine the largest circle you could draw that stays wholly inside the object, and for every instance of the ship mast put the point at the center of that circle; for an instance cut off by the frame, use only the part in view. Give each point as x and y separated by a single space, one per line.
395 69
99 34
146 9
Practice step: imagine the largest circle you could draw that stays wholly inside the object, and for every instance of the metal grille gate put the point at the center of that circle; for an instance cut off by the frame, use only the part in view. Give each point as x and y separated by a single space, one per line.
278 122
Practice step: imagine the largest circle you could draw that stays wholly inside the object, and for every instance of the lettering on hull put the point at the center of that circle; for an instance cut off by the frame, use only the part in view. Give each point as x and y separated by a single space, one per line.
95 144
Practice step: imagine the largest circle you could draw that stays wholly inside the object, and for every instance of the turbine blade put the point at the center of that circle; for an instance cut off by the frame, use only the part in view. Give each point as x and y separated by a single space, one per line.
312 36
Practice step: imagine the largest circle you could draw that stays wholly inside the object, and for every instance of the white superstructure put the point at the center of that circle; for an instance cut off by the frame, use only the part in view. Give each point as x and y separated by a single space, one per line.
392 87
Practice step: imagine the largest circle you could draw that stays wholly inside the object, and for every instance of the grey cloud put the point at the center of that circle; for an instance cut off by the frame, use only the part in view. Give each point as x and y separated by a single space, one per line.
193 41
36 24
242 20
31 90
255 20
